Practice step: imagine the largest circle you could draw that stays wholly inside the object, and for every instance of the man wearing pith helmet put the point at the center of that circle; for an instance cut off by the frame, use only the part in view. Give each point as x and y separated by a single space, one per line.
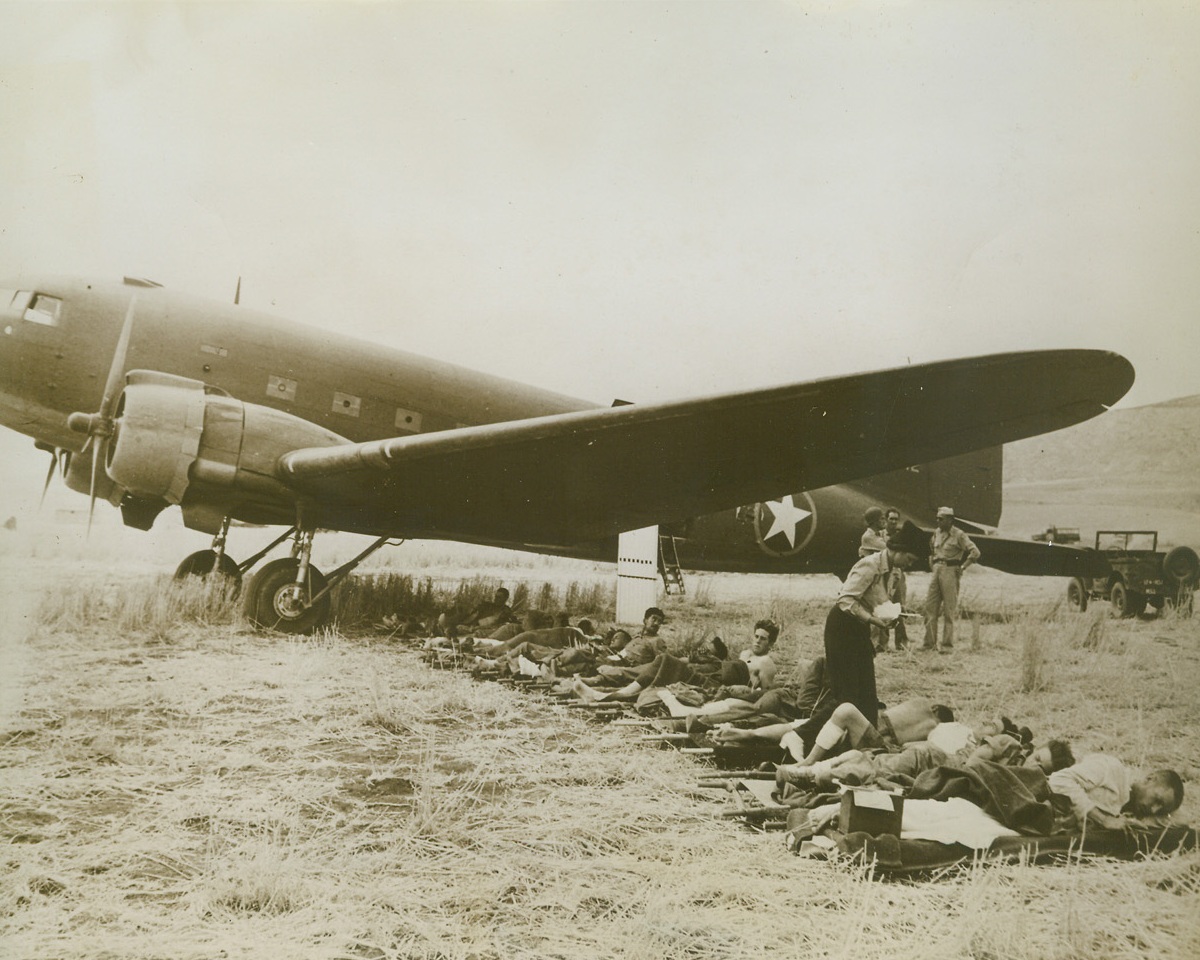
950 553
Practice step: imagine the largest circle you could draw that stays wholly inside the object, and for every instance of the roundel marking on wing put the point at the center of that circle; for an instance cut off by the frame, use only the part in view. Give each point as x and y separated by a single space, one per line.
784 527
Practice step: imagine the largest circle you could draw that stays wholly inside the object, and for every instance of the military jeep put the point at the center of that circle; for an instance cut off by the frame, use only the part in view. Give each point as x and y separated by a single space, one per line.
1139 576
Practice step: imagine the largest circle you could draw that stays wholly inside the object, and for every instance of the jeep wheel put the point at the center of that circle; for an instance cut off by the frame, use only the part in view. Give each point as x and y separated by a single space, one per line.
1182 568
1137 604
1077 596
1126 603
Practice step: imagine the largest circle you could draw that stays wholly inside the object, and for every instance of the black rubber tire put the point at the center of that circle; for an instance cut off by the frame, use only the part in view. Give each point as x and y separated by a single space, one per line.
1137 604
201 563
1181 568
1121 600
267 604
1077 596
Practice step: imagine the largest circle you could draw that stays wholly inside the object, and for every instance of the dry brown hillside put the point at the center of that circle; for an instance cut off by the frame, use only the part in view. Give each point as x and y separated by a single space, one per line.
1127 468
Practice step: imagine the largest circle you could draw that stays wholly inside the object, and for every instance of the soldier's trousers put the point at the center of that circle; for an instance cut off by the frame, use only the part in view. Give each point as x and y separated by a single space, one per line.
941 603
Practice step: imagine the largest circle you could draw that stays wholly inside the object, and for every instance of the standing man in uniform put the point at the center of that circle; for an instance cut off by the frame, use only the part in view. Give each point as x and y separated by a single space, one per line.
951 552
897 590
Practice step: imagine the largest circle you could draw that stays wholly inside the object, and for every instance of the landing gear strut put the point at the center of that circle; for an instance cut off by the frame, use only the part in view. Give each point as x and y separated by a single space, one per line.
203 563
293 596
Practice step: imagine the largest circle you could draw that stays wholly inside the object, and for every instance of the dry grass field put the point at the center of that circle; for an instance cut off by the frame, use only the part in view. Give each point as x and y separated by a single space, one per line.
176 785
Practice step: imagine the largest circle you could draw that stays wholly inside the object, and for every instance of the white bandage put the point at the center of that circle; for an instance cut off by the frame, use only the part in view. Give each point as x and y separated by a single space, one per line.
792 743
830 736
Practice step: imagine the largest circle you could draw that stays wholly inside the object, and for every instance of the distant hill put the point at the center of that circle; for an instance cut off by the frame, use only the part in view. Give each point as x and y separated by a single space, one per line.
1123 469
1162 439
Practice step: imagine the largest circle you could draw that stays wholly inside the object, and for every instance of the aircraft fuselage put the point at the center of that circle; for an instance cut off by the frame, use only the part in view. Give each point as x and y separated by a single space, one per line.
58 338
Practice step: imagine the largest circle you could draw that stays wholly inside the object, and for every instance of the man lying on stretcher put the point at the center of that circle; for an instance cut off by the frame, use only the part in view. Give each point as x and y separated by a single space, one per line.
1105 793
912 736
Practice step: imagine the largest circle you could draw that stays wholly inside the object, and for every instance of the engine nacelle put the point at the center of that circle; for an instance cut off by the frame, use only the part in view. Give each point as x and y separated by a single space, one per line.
172 433
78 477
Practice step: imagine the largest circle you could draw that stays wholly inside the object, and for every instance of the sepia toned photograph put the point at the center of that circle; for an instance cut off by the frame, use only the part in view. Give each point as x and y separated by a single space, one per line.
488 480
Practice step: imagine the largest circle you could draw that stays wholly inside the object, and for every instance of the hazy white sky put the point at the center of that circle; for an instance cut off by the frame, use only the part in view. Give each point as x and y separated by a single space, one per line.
630 199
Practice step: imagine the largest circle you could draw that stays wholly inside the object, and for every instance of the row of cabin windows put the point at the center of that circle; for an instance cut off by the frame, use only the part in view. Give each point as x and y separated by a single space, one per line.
284 388
44 309
28 305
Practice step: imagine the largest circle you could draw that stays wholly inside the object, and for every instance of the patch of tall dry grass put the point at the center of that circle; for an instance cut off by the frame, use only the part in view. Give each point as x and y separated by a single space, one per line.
156 605
367 598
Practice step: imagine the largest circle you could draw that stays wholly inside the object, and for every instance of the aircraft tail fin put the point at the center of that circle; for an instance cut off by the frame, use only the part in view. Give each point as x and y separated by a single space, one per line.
972 483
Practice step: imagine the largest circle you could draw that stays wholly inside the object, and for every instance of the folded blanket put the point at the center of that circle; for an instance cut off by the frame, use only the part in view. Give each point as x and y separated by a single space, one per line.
1018 797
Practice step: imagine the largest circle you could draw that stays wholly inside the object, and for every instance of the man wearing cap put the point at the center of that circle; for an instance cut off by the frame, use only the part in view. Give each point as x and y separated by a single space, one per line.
897 588
951 552
849 653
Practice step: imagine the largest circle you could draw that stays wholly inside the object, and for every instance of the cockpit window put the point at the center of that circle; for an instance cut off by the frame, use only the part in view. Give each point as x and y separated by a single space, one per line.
14 301
43 309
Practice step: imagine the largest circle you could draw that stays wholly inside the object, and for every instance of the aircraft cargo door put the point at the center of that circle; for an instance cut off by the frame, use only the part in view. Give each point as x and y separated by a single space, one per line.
637 573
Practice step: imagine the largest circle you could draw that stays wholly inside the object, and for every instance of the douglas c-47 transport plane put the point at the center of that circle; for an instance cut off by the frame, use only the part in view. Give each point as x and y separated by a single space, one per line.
150 399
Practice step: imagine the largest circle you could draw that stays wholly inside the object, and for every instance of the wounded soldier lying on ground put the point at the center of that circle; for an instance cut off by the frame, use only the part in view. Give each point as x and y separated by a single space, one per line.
834 729
487 615
707 672
534 645
1094 806
806 696
899 769
910 722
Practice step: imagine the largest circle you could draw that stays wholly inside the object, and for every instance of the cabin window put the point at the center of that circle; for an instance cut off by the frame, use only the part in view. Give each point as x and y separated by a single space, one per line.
347 404
281 388
43 309
408 420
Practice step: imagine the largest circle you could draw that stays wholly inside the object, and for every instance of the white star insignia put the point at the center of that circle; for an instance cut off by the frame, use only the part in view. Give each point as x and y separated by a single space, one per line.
786 515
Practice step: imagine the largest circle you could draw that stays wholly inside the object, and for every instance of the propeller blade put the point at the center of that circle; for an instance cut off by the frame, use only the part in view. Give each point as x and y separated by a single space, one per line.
117 371
99 425
49 477
101 449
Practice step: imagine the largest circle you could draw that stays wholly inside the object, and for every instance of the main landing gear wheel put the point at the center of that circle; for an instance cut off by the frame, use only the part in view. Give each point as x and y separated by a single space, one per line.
276 602
1077 596
201 564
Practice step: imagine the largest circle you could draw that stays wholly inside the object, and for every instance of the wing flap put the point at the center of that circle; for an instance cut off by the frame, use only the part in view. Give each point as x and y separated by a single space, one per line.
564 479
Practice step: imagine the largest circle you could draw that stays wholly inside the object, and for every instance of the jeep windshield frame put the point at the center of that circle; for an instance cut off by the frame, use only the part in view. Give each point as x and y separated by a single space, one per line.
1127 540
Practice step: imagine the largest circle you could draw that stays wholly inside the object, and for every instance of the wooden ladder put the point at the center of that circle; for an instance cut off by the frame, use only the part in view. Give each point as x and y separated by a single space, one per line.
668 565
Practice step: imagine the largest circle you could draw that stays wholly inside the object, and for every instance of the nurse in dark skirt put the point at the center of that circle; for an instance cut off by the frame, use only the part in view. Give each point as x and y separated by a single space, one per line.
849 653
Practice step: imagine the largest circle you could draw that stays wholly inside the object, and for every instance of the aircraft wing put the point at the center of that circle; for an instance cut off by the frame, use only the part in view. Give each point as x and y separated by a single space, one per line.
1033 559
564 479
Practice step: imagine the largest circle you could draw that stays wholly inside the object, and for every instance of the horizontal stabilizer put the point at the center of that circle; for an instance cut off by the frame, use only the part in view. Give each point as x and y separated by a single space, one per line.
1034 559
